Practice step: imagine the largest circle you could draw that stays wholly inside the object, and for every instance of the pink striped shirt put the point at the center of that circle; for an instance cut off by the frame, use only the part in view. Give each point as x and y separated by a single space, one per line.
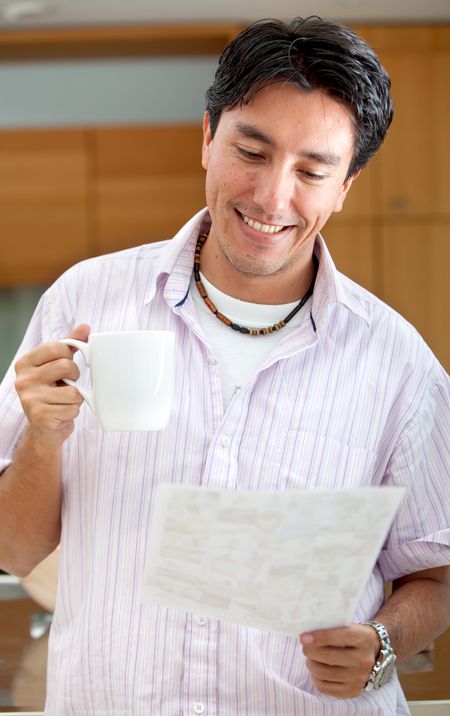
351 397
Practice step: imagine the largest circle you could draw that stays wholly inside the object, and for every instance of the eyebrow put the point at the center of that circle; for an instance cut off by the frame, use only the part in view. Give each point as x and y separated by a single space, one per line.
248 130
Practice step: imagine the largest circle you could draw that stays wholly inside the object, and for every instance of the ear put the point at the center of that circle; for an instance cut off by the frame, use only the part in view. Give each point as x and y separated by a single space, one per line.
207 139
344 191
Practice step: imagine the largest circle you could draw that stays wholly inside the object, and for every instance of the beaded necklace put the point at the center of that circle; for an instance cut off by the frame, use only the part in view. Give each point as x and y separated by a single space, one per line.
243 329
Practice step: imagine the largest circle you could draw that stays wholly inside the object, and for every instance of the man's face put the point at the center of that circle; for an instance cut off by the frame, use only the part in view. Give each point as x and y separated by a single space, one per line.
276 170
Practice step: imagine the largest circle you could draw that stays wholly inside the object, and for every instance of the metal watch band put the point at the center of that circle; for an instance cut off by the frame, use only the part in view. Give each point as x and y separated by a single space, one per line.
384 665
383 635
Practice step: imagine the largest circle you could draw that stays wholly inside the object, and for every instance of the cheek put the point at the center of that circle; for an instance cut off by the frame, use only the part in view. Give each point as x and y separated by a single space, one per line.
232 175
319 203
309 203
227 182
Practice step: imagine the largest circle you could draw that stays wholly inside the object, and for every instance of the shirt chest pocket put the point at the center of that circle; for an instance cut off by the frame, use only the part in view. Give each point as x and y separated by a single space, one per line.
305 460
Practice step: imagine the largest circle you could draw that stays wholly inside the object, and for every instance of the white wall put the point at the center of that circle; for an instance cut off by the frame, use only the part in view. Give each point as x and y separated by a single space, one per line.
88 92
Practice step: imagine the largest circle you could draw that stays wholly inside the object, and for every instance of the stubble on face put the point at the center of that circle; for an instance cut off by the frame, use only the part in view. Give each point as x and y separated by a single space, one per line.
249 265
265 164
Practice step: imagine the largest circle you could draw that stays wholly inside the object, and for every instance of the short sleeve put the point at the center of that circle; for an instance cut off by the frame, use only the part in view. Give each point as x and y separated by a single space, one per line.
420 535
46 324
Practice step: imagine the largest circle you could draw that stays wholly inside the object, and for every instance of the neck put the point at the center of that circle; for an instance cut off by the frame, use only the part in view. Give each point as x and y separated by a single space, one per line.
248 330
285 286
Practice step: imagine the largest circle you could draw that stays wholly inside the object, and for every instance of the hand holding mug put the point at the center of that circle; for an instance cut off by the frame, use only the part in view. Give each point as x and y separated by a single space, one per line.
50 408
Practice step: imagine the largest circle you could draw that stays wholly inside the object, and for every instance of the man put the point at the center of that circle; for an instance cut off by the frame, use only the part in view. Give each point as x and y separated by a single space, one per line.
298 379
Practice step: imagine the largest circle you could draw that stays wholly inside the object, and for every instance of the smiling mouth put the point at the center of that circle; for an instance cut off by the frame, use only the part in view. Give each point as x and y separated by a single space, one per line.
259 226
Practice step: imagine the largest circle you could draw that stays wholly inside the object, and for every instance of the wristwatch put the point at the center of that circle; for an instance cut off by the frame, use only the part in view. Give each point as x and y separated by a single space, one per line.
384 665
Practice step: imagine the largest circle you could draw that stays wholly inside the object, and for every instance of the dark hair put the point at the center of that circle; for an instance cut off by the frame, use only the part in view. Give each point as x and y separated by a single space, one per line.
313 54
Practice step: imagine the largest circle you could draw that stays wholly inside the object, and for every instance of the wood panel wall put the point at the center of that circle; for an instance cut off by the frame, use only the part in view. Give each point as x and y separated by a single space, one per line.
43 204
146 183
66 195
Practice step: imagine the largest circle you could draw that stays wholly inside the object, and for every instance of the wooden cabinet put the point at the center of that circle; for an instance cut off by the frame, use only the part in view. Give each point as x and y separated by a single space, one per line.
361 201
69 194
414 177
147 182
43 204
415 260
113 40
354 252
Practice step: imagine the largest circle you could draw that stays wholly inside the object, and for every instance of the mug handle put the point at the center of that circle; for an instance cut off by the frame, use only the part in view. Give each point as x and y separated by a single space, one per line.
86 353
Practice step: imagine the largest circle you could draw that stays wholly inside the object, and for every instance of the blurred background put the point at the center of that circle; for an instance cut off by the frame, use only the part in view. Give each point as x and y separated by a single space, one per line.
100 128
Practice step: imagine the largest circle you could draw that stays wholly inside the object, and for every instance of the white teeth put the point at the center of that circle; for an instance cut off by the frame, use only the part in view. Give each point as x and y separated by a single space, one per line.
264 228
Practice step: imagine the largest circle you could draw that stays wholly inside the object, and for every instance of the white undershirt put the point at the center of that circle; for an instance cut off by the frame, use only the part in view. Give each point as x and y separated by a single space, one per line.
239 355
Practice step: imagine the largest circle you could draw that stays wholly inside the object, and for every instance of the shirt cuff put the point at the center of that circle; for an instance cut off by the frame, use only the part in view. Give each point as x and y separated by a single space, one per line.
409 557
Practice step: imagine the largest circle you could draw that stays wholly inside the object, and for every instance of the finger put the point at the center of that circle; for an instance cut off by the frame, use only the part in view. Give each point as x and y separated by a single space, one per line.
46 353
330 655
29 379
51 373
64 395
53 350
63 413
360 660
45 396
80 332
339 691
49 417
350 636
39 403
327 673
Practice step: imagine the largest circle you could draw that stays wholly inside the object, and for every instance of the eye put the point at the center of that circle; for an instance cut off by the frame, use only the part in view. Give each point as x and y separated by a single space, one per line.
248 154
313 176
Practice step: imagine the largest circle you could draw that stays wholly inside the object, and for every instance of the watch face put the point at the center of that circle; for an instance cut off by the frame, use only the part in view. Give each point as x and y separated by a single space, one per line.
385 672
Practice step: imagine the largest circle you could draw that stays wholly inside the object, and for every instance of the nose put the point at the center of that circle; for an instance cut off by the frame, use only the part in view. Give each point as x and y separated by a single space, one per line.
274 191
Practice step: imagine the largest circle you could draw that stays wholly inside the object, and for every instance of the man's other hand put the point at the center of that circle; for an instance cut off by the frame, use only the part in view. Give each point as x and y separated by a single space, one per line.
340 660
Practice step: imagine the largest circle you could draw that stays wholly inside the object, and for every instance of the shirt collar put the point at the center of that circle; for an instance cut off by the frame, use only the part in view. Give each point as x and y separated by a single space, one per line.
331 288
174 268
174 272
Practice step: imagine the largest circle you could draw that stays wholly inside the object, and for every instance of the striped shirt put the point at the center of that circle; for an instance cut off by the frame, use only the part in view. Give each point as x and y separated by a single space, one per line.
351 397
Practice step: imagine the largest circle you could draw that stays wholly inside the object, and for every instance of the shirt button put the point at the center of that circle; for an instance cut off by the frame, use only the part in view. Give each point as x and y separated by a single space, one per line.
201 621
199 708
225 442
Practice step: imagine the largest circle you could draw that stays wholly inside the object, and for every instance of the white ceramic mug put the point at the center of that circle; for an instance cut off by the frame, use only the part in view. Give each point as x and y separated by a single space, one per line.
132 375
